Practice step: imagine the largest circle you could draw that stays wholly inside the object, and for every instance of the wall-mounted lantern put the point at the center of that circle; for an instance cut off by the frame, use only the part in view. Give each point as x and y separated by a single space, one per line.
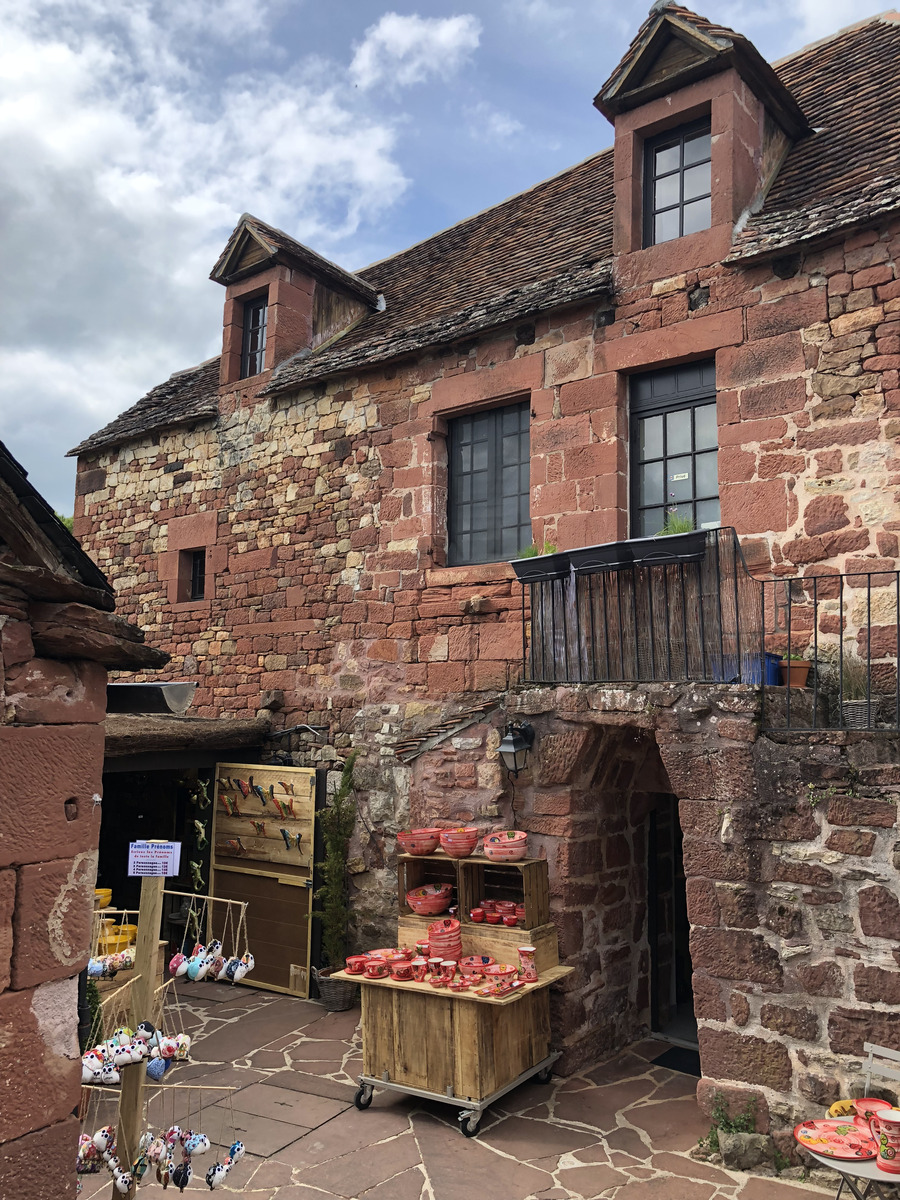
514 746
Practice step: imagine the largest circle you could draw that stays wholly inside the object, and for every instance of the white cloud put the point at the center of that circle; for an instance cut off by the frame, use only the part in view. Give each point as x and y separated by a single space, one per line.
403 50
490 124
127 159
539 12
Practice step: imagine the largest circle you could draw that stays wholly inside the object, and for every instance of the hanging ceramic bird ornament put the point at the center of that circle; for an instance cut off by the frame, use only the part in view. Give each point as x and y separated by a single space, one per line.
157 1149
146 1029
231 968
236 1151
173 1136
156 1068
124 1182
104 1138
175 962
181 1176
113 1164
183 1046
109 1075
198 1143
222 973
216 1175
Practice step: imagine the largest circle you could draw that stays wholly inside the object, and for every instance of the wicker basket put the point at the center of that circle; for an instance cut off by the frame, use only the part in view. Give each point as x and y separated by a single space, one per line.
859 714
337 995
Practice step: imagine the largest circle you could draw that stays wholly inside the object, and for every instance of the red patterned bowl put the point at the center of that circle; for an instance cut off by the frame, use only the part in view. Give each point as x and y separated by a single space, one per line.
500 971
419 841
510 845
459 843
475 963
382 953
431 899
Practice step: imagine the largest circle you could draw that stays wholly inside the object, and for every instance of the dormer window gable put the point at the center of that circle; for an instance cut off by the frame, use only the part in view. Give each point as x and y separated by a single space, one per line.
702 124
281 298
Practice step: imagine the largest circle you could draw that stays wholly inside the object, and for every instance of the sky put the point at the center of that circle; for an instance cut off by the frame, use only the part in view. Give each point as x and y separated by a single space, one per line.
134 133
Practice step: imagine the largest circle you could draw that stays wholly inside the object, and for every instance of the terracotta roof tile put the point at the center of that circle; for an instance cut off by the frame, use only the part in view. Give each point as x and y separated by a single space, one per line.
185 397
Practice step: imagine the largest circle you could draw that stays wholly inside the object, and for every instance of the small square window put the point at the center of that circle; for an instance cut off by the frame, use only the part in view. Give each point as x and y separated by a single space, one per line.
253 344
192 575
677 183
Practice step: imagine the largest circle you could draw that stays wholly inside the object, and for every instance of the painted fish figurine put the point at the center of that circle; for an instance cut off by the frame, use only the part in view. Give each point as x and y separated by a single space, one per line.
216 1175
200 831
287 837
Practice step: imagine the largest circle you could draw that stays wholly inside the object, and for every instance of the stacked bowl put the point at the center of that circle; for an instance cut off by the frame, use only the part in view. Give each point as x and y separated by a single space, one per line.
431 899
509 845
459 843
445 939
418 841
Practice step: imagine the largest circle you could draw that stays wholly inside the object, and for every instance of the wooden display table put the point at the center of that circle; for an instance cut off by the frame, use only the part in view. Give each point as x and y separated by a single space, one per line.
453 1047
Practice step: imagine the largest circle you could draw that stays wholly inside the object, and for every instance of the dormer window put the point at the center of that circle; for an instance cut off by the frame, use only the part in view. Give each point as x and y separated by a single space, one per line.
253 347
677 183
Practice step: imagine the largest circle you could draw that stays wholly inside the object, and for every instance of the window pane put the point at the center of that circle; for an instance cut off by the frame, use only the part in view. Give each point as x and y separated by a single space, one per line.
679 479
696 181
650 484
650 522
665 226
667 192
705 431
708 515
668 158
678 431
707 474
697 216
650 438
480 456
697 148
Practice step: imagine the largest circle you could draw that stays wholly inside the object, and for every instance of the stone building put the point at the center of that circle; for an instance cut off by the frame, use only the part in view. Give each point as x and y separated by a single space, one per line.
704 317
58 636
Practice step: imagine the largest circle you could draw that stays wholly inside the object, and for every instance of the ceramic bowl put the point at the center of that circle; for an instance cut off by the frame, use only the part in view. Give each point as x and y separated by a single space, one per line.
401 971
500 971
449 927
431 899
505 907
477 915
459 843
509 845
437 982
459 985
376 969
510 920
356 964
493 918
473 963
102 897
419 841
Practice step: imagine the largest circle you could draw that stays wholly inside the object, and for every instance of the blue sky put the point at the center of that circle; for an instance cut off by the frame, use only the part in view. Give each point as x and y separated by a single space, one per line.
134 134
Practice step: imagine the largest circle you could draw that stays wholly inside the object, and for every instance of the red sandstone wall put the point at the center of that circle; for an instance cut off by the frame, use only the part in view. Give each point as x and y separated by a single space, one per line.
51 759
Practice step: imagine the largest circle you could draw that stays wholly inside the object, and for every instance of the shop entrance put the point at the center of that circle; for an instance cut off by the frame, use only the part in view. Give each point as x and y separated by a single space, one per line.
668 928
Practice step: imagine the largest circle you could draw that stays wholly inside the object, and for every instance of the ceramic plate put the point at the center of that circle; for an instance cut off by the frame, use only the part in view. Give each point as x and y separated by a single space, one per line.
835 1138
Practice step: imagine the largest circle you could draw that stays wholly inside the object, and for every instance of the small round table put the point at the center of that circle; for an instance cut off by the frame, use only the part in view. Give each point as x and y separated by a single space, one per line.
851 1171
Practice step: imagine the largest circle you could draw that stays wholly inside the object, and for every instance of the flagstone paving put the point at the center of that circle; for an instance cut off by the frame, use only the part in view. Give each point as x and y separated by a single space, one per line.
618 1132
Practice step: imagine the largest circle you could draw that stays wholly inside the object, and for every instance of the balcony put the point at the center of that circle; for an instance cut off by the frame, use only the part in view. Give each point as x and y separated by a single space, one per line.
686 608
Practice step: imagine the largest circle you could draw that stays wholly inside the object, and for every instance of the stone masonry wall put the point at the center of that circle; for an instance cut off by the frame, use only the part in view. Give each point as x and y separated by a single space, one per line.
51 759
792 860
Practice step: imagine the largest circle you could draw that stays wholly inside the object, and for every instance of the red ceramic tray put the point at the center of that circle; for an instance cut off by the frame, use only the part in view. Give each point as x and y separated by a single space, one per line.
835 1137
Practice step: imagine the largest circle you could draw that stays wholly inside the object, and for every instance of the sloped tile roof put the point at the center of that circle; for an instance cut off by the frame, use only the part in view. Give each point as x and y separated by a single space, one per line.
186 396
552 244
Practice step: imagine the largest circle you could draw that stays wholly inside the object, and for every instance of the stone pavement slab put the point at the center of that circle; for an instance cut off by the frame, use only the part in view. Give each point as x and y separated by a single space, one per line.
294 1107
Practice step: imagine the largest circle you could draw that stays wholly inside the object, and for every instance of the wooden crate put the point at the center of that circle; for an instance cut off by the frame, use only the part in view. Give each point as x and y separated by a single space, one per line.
436 1042
414 870
526 882
496 940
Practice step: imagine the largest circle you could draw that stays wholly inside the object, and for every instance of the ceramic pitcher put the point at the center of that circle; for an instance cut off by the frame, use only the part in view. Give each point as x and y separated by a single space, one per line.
885 1129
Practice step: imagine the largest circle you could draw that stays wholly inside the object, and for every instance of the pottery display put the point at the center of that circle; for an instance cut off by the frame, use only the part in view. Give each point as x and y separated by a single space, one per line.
431 899
418 841
509 845
445 938
477 915
459 843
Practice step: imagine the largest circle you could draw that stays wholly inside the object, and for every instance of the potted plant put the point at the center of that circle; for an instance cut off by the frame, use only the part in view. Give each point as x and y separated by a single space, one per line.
857 702
336 822
537 564
794 670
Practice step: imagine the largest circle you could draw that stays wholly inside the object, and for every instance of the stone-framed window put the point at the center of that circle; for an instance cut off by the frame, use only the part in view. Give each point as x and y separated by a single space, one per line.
678 183
489 462
253 342
674 447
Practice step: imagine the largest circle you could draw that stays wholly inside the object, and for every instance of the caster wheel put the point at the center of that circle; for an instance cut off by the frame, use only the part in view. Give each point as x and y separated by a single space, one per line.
544 1076
363 1097
467 1128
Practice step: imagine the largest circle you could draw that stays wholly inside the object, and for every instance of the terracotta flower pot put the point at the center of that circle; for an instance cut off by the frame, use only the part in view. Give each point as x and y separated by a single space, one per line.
794 672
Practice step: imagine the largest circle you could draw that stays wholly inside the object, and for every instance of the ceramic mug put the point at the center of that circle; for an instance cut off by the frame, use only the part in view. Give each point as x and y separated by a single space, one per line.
885 1129
356 964
376 968
419 969
477 915
434 967
527 969
448 969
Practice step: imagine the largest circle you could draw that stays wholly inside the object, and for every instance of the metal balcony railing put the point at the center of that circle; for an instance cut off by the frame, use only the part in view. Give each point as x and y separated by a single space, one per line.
685 608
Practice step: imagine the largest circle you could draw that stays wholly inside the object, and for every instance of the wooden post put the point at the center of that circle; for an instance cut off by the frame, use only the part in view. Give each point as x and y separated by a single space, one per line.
143 1008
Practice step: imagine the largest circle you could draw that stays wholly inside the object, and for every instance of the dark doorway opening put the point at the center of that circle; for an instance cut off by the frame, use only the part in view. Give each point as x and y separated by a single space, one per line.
668 928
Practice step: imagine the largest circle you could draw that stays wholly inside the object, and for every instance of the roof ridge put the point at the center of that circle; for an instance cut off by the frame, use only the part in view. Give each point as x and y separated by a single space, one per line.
830 37
483 211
